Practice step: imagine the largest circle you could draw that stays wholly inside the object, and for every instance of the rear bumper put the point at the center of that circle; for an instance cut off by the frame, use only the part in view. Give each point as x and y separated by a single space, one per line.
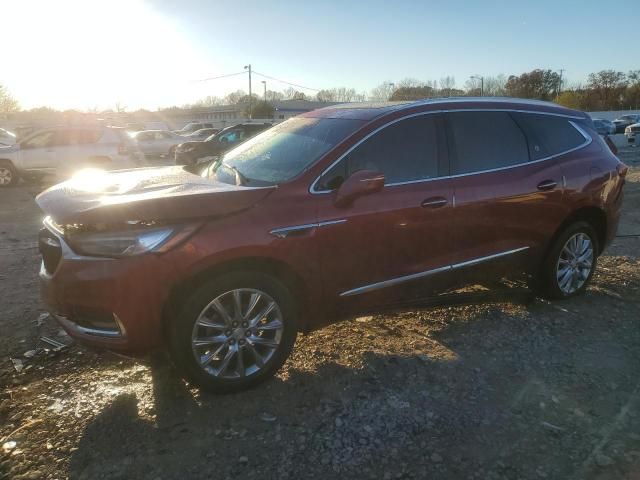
108 303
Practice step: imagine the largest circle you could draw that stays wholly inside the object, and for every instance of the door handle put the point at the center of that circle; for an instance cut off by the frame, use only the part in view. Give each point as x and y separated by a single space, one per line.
434 202
547 185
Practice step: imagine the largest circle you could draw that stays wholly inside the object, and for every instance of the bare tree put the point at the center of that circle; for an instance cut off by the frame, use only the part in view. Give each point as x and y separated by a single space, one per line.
273 96
8 104
382 92
447 84
495 86
234 97
120 108
209 101
291 93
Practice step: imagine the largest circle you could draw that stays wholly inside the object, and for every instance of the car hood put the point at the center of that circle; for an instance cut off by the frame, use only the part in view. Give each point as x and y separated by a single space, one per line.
147 194
4 149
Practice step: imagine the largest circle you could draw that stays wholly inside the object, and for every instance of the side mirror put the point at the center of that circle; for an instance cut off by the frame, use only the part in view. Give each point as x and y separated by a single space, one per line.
360 183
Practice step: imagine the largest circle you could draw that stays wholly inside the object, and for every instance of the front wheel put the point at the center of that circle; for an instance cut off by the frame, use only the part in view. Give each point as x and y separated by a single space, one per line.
570 263
8 174
234 331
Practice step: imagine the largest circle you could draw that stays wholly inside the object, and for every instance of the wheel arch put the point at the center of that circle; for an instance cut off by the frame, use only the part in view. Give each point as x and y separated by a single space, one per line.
594 216
278 269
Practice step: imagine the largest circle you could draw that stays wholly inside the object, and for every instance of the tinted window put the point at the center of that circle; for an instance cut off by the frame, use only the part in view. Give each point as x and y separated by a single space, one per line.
548 134
484 141
404 151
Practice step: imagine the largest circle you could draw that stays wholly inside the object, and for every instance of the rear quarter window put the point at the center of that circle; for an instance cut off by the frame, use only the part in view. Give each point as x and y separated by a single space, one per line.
549 135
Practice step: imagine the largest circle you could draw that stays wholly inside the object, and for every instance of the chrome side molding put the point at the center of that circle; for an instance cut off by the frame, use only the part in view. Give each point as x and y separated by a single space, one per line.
415 276
286 231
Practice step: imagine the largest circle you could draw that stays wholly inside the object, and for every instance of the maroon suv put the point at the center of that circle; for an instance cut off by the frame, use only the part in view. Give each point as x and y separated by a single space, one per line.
341 210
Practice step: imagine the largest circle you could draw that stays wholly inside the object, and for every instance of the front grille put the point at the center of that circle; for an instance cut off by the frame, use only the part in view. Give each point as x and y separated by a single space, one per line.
635 128
50 249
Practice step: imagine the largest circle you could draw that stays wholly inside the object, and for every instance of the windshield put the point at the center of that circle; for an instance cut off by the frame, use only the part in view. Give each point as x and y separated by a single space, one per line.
282 152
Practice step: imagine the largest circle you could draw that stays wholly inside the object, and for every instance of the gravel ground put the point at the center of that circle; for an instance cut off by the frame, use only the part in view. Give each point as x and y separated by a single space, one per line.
491 384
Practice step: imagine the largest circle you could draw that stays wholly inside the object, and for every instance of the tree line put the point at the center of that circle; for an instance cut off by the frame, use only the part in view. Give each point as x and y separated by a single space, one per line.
603 90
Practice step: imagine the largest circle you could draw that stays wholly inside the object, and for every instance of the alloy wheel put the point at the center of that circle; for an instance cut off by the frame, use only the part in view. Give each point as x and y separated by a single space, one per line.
6 176
575 263
237 333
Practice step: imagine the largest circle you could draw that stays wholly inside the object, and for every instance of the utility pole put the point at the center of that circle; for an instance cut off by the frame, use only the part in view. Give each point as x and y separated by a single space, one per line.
248 67
264 82
481 78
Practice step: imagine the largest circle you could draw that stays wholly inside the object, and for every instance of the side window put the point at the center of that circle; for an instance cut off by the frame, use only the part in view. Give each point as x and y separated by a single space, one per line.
548 134
405 151
44 139
232 137
485 141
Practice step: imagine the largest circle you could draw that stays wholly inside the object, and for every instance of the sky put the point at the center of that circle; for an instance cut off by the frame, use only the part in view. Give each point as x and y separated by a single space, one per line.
88 54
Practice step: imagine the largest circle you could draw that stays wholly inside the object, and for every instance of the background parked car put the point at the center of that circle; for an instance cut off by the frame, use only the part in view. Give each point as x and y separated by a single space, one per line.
189 153
201 134
631 132
7 137
623 122
192 127
157 142
59 152
604 127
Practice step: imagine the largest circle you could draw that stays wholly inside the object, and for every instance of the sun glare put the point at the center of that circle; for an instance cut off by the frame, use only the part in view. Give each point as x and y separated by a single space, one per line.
92 54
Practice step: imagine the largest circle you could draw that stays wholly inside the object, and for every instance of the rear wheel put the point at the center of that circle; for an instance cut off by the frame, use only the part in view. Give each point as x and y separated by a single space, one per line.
570 263
8 174
234 331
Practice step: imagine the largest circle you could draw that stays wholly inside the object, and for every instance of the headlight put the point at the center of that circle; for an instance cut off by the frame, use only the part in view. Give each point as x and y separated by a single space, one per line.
130 242
187 148
627 130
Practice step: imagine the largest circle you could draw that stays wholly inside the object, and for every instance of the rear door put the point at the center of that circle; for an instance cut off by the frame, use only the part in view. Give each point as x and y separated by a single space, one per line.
508 196
375 250
75 148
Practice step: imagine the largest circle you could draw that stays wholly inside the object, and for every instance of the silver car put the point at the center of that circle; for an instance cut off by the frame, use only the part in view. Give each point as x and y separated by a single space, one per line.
157 142
604 127
60 152
632 132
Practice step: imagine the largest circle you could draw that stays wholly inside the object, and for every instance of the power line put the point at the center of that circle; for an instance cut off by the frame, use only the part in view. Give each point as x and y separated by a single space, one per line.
284 81
260 74
220 76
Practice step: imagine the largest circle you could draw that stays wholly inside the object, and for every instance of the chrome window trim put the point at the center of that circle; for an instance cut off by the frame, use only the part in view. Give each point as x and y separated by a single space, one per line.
414 276
285 231
587 137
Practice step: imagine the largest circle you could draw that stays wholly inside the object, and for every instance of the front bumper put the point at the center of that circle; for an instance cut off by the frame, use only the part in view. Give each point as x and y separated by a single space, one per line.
103 302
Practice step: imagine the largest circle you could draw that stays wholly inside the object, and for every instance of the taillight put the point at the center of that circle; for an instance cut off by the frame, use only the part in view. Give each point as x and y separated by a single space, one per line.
612 146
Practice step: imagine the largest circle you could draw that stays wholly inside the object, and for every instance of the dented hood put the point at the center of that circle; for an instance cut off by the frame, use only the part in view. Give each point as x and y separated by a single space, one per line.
164 193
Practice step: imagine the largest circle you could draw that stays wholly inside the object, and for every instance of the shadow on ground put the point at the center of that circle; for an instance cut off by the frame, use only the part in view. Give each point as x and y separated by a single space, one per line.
516 391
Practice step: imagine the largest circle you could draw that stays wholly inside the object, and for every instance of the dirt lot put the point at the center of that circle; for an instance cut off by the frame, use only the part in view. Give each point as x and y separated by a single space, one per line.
507 387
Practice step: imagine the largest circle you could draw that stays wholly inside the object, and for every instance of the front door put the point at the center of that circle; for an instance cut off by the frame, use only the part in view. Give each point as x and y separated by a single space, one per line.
37 153
374 251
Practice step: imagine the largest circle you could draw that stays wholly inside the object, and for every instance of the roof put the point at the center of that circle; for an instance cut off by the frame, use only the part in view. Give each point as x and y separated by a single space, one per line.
299 105
370 111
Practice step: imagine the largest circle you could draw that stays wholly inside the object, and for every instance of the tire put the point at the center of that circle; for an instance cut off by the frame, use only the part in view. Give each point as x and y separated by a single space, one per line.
550 282
236 344
8 174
